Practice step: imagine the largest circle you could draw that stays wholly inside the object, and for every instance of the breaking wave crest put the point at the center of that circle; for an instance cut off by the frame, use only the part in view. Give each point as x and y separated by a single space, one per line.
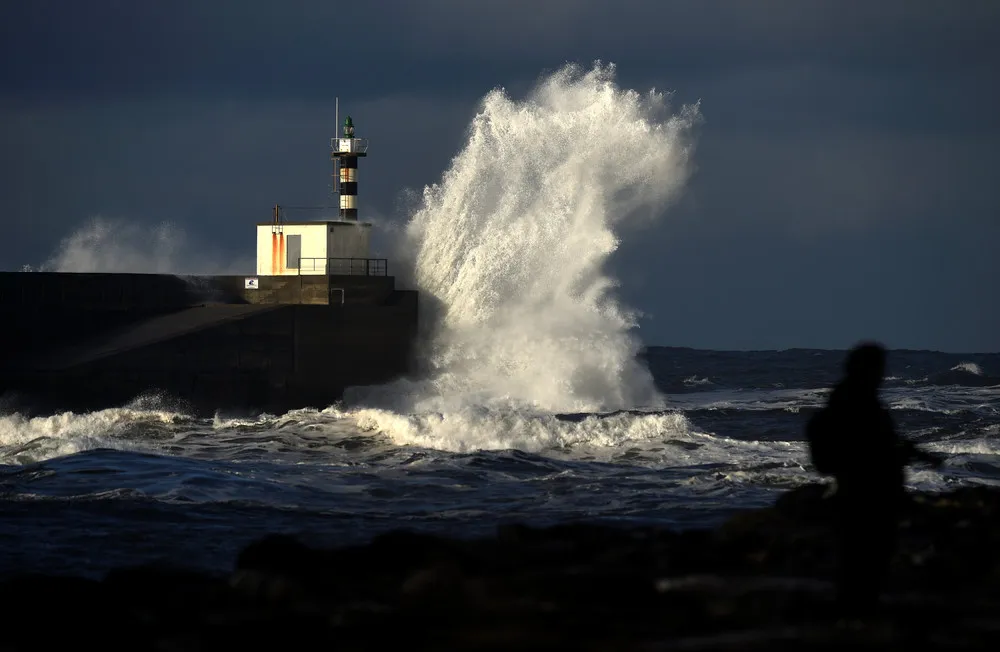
474 429
511 248
25 439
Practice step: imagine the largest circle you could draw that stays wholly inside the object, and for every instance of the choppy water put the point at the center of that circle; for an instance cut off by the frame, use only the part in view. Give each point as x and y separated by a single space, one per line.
82 493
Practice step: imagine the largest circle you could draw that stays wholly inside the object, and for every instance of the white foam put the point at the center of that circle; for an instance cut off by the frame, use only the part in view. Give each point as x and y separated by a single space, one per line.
475 428
27 440
945 399
969 445
970 367
694 381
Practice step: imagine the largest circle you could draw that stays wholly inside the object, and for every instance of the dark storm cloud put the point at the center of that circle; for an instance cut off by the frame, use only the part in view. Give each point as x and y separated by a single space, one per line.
844 183
230 46
896 33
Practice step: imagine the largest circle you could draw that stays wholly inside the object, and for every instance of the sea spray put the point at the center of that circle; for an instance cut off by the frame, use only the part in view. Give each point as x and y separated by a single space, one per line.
109 245
510 249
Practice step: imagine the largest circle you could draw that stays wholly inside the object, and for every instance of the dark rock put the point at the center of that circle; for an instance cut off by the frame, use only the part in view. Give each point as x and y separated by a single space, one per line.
759 581
811 503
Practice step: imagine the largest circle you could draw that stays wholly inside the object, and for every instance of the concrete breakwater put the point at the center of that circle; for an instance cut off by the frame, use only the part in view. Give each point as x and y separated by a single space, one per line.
89 341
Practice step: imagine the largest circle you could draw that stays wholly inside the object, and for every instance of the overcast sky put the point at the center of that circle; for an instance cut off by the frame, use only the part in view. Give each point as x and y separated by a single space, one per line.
846 181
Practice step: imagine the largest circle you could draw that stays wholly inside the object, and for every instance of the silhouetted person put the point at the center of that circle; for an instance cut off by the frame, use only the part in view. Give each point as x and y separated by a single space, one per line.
854 440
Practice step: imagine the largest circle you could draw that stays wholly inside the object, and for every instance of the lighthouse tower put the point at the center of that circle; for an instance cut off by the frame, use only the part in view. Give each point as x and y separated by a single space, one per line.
345 153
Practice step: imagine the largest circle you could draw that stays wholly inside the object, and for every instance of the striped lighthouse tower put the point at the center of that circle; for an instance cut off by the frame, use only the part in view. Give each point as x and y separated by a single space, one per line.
346 151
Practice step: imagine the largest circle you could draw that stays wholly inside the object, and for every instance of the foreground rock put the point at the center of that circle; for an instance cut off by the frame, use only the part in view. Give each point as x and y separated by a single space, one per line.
760 581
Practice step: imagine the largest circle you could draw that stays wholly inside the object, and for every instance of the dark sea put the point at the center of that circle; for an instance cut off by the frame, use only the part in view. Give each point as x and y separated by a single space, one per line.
82 493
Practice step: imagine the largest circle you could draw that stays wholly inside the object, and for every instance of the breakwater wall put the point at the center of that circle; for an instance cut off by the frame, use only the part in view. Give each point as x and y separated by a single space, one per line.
89 341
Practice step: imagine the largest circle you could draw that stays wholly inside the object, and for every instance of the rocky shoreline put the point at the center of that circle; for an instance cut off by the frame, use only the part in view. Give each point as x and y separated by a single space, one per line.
759 581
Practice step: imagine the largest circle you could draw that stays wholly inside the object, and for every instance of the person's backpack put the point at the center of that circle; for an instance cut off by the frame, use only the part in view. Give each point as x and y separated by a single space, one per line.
821 433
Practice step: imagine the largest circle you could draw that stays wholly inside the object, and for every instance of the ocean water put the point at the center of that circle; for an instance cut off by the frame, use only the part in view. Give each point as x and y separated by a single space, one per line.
143 484
535 399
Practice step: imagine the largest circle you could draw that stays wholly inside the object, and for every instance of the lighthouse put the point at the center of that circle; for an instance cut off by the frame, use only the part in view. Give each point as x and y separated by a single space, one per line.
345 153
330 247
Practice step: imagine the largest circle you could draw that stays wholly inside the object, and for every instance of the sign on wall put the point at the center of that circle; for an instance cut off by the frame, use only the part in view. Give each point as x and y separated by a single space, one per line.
251 283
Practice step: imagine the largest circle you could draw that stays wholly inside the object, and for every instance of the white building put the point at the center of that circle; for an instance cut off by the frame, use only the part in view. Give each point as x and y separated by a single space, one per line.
312 248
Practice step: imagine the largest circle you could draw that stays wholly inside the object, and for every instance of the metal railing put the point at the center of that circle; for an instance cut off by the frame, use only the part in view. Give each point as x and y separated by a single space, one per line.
344 266
349 145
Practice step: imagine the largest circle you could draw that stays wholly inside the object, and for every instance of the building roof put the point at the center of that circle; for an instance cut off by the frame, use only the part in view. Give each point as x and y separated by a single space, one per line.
310 222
